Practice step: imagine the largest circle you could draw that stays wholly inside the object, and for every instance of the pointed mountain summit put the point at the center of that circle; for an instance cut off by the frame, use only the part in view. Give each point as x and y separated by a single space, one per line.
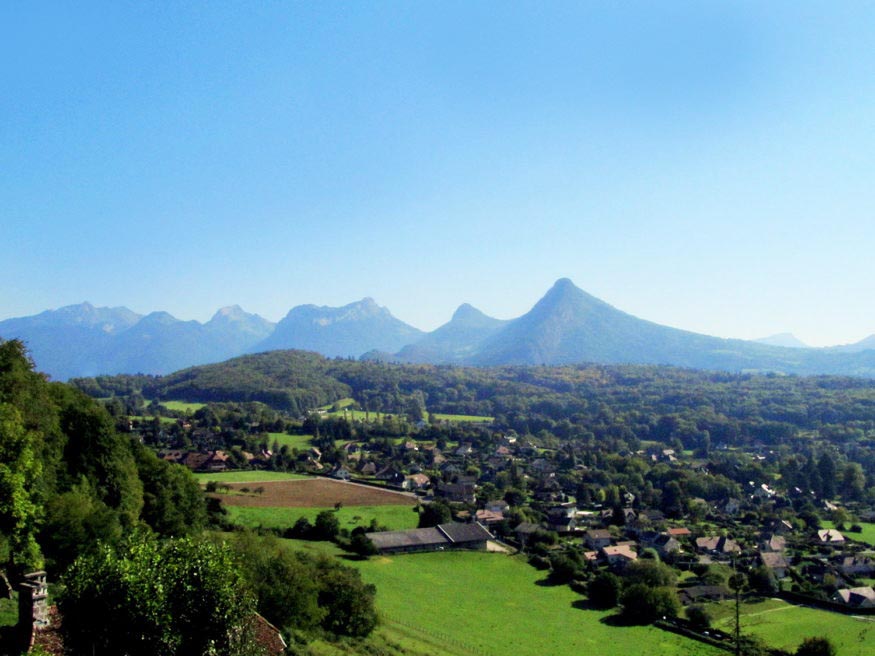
454 341
346 331
234 320
570 326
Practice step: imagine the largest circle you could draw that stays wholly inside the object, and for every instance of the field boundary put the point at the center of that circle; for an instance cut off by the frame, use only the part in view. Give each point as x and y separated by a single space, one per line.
442 638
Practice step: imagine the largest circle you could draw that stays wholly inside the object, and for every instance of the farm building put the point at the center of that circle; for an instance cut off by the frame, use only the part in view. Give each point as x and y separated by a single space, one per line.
443 536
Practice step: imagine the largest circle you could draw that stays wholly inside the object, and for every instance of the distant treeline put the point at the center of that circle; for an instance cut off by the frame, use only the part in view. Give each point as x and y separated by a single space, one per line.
647 402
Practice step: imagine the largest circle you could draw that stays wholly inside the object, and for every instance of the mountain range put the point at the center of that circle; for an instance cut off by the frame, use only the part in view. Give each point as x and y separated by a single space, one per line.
566 326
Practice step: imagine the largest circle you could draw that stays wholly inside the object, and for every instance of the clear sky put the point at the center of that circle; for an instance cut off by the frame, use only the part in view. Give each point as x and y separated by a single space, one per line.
704 165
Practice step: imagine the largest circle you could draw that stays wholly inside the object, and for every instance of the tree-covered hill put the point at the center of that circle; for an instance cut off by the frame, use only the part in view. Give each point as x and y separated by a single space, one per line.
561 400
69 480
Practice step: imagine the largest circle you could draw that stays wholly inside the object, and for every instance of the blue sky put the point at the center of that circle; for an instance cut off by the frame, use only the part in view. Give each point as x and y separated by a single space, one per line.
708 166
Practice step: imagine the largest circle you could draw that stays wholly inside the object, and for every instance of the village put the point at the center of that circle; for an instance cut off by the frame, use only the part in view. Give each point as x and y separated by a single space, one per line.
488 486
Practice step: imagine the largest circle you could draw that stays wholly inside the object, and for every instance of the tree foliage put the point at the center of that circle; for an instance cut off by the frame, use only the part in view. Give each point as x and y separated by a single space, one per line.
642 604
816 646
146 598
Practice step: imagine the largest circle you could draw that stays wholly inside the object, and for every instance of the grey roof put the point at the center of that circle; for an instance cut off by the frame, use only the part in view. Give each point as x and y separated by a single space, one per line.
452 533
457 532
411 538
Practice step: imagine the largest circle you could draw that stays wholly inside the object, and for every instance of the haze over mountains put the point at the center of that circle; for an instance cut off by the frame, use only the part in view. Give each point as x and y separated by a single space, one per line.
566 326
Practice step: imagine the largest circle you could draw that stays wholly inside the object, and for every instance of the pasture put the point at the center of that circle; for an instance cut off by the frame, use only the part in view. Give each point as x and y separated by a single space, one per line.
473 419
463 603
785 626
395 518
300 442
183 406
247 476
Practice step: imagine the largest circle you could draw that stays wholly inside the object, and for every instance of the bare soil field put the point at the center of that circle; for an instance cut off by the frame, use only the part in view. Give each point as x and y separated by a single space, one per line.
312 493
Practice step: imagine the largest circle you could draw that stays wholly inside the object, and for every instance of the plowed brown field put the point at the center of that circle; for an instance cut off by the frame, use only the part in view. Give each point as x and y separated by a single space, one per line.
313 493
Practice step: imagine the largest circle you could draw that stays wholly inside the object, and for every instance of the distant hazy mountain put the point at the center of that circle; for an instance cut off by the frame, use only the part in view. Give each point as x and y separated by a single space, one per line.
157 343
569 326
454 341
71 340
350 330
81 340
787 340
234 331
865 344
566 326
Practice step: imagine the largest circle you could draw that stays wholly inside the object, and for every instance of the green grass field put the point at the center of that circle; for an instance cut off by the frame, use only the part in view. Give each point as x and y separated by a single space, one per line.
464 603
393 517
148 418
247 476
300 442
867 536
478 419
361 415
785 626
183 406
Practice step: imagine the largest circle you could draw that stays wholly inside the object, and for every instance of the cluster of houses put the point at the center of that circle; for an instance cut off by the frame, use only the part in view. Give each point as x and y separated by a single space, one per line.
611 537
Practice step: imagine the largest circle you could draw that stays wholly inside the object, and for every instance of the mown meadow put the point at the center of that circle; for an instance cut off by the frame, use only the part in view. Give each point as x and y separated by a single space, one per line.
785 626
462 603
395 518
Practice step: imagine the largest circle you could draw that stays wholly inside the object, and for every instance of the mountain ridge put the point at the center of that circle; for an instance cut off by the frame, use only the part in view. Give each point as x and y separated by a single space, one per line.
565 326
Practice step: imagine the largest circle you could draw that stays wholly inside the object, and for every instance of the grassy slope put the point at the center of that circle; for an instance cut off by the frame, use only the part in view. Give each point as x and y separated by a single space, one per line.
182 406
392 517
300 442
477 603
247 476
784 626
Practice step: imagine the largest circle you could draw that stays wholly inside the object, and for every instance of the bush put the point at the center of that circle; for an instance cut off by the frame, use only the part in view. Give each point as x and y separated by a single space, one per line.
643 604
539 562
699 616
604 590
179 597
816 647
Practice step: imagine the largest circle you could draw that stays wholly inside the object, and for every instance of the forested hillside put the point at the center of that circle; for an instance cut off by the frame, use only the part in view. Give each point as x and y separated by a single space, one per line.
68 479
121 534
733 408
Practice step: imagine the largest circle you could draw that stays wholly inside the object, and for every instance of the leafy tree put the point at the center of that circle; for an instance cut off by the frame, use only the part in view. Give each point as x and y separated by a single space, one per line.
604 590
819 646
349 602
326 526
434 513
699 616
642 604
150 598
173 504
96 451
284 583
763 580
20 468
361 544
651 573
76 523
